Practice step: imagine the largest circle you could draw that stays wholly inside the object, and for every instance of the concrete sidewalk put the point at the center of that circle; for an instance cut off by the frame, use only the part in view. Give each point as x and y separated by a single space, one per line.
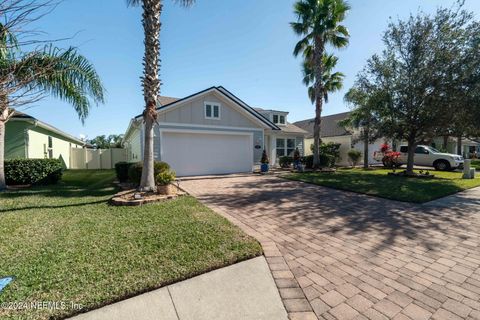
245 290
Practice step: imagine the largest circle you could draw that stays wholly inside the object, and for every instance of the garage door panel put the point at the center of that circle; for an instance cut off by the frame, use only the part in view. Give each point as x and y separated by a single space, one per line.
202 154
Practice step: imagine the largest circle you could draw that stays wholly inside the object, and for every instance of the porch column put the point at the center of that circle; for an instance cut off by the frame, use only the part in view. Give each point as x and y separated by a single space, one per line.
273 150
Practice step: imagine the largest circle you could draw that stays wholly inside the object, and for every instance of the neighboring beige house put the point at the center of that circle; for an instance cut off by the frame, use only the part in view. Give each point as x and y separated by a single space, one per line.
331 131
469 147
29 138
214 132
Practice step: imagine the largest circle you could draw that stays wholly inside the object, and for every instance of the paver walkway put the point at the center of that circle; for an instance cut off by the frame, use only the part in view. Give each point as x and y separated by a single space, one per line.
340 255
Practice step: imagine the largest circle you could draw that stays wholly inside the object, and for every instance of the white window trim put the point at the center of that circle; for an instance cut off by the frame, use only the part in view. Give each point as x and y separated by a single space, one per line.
285 146
279 123
213 104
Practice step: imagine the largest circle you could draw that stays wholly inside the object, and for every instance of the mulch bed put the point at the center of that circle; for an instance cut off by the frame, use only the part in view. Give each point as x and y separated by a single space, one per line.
415 175
132 197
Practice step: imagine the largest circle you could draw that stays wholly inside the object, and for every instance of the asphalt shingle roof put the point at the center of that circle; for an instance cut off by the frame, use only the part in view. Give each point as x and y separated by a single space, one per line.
166 100
329 126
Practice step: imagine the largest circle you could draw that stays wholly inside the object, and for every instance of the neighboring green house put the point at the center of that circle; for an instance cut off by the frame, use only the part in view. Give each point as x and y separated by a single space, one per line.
30 138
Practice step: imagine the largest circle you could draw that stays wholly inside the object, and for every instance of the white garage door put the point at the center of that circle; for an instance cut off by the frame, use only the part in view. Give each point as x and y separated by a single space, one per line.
191 154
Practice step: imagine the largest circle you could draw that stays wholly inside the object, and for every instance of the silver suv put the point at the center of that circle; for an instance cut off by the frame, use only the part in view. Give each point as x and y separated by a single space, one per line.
431 157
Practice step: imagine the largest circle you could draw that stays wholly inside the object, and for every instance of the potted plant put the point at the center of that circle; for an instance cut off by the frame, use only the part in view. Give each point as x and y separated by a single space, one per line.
264 166
164 182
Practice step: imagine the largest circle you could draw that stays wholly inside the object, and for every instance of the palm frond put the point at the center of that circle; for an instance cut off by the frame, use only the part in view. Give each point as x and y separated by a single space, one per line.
184 3
134 3
8 43
65 74
301 46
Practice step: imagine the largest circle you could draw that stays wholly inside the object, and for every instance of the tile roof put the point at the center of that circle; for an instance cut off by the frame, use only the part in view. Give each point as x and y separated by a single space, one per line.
329 126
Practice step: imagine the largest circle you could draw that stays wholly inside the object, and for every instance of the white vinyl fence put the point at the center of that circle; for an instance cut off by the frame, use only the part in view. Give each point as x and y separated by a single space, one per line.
96 158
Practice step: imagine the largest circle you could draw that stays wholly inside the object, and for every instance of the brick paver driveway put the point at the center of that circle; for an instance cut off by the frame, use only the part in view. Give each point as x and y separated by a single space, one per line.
344 255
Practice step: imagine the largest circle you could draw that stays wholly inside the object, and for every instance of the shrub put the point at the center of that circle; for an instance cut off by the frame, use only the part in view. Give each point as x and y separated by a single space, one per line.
160 166
33 171
296 155
390 159
354 156
384 147
285 161
135 170
265 159
329 153
308 161
165 177
121 169
326 160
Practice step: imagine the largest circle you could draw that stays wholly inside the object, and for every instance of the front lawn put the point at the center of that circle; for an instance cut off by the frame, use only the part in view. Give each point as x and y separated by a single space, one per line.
66 244
476 164
377 183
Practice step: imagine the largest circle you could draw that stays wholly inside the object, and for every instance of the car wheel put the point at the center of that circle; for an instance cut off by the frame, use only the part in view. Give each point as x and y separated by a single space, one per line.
442 165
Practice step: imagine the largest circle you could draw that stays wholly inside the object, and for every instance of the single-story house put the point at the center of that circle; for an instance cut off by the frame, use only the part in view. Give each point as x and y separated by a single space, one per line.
214 132
29 138
331 131
469 147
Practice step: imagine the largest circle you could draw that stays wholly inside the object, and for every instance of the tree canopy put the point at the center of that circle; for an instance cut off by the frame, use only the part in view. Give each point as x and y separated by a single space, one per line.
427 75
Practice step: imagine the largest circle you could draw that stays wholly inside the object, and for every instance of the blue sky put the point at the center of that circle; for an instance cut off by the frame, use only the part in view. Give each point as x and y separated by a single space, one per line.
244 45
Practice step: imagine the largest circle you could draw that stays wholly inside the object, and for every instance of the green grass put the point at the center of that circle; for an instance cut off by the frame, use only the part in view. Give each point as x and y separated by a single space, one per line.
476 164
378 183
65 243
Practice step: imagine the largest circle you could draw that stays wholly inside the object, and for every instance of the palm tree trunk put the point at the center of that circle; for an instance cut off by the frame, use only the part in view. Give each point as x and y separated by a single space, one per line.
459 145
365 149
318 69
151 85
3 121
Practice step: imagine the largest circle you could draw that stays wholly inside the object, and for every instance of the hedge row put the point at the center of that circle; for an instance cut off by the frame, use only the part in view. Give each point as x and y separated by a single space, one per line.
33 171
326 160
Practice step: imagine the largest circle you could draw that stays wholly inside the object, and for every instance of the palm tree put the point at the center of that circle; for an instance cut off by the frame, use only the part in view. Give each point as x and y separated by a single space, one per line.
331 81
26 76
152 10
318 24
363 116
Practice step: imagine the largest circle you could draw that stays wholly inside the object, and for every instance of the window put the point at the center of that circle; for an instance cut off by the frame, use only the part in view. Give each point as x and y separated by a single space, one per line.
285 147
212 110
403 149
280 147
278 119
421 150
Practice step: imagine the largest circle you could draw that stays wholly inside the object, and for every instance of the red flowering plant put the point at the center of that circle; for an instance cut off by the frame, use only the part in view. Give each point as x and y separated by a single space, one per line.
390 157
384 147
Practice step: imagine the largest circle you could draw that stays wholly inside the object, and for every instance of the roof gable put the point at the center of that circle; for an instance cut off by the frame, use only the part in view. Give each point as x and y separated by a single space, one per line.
171 103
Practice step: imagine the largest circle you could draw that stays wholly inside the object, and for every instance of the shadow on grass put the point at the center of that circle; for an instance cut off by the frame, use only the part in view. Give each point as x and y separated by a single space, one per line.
38 207
327 211
77 188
